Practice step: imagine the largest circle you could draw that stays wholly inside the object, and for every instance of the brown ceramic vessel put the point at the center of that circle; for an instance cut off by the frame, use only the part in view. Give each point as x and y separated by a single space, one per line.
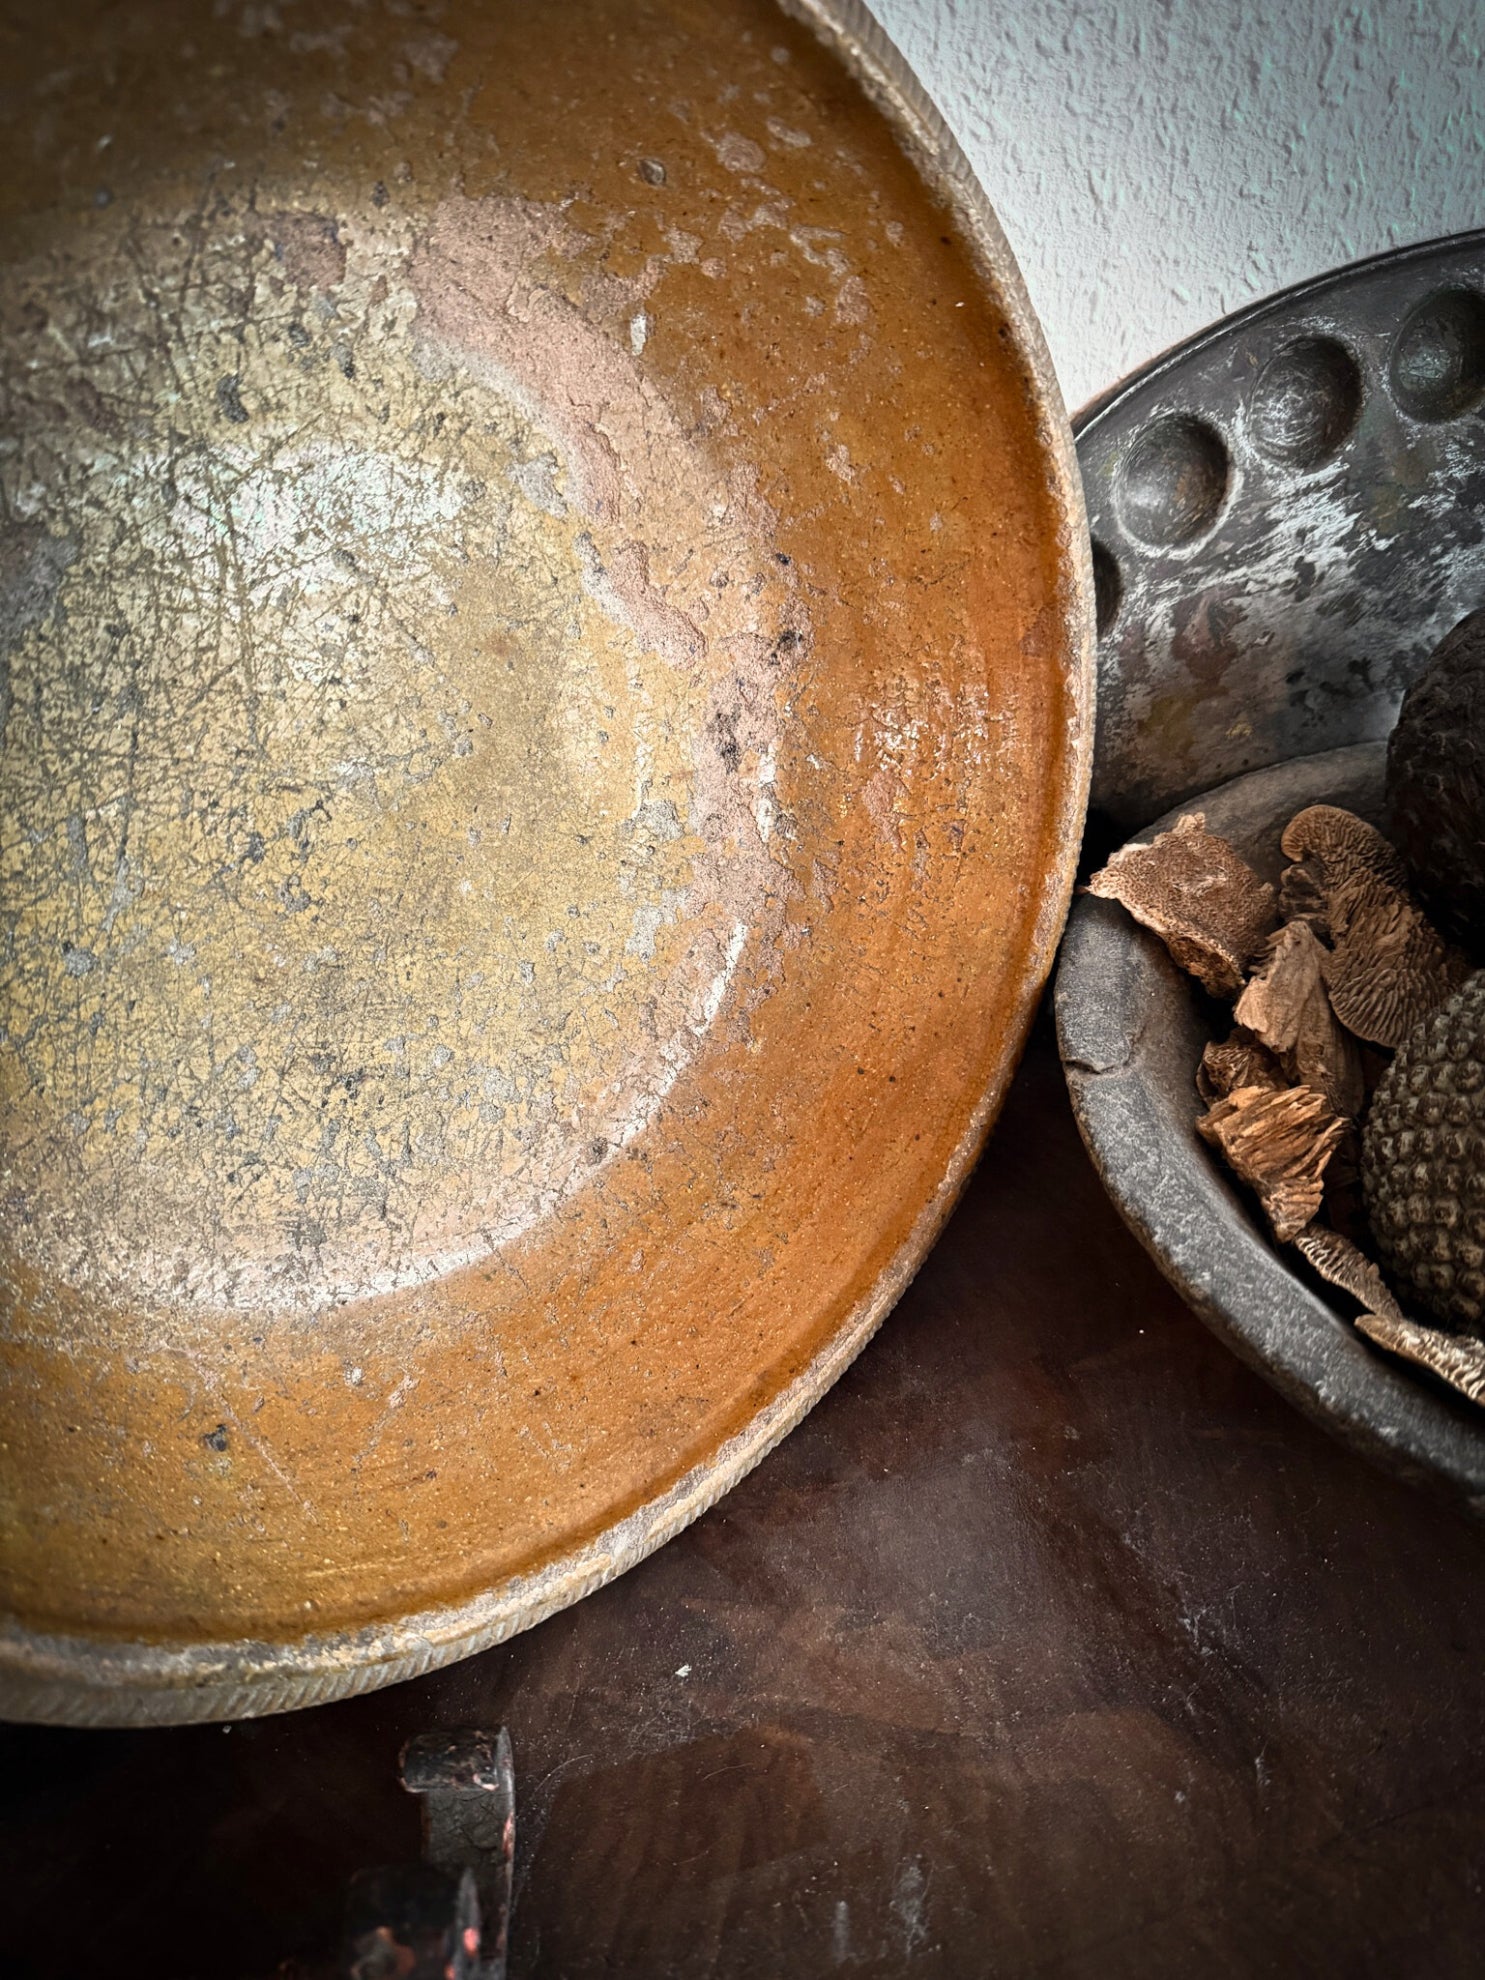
547 706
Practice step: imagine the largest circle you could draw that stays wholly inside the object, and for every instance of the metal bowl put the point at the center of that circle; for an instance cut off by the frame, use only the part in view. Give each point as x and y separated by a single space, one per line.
1132 1028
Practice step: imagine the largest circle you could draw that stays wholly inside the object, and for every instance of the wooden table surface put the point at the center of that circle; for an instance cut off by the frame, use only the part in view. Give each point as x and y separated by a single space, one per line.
1052 1644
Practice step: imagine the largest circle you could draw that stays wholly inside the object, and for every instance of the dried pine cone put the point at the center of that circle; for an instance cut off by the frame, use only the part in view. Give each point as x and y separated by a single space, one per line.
1436 784
1423 1162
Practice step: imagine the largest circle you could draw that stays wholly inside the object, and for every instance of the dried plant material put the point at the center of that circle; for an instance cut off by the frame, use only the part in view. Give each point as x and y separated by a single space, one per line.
1288 979
1423 1163
1279 1143
1336 1259
1239 1060
1199 896
1390 970
1389 967
1328 1057
1349 970
1287 1007
1436 784
1374 1064
1458 1359
1348 854
1302 896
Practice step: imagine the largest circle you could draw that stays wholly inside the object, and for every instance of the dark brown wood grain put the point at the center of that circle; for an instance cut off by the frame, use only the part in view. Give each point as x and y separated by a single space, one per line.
1052 1644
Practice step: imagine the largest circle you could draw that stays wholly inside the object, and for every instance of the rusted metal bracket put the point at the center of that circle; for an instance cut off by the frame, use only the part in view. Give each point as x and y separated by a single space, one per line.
448 1917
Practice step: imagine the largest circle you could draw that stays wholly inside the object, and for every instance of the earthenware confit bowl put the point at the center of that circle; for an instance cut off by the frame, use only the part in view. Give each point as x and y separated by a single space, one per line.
547 711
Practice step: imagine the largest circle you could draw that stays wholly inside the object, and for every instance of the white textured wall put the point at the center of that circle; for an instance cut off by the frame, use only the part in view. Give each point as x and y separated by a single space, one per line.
1158 163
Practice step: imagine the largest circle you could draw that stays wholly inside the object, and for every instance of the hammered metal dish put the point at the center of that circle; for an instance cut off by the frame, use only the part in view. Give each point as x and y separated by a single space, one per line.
1286 516
1132 1028
549 663
1286 513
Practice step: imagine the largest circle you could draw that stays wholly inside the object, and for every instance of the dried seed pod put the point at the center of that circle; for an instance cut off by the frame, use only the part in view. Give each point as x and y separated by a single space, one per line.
1302 896
1436 783
1348 854
1238 1060
1288 978
1286 1005
1279 1144
1423 1162
1389 967
1457 1359
1336 1259
1199 896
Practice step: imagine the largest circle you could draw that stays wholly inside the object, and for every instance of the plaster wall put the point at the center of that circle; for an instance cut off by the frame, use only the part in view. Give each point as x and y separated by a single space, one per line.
1159 163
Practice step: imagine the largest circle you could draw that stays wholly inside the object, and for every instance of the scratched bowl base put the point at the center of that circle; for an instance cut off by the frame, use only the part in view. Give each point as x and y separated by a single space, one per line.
547 631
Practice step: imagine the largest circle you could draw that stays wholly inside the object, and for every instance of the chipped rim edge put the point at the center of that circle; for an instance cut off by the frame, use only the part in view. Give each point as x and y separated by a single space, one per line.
88 1681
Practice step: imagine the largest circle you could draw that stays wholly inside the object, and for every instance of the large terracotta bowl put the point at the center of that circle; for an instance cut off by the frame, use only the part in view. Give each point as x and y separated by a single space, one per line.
547 713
